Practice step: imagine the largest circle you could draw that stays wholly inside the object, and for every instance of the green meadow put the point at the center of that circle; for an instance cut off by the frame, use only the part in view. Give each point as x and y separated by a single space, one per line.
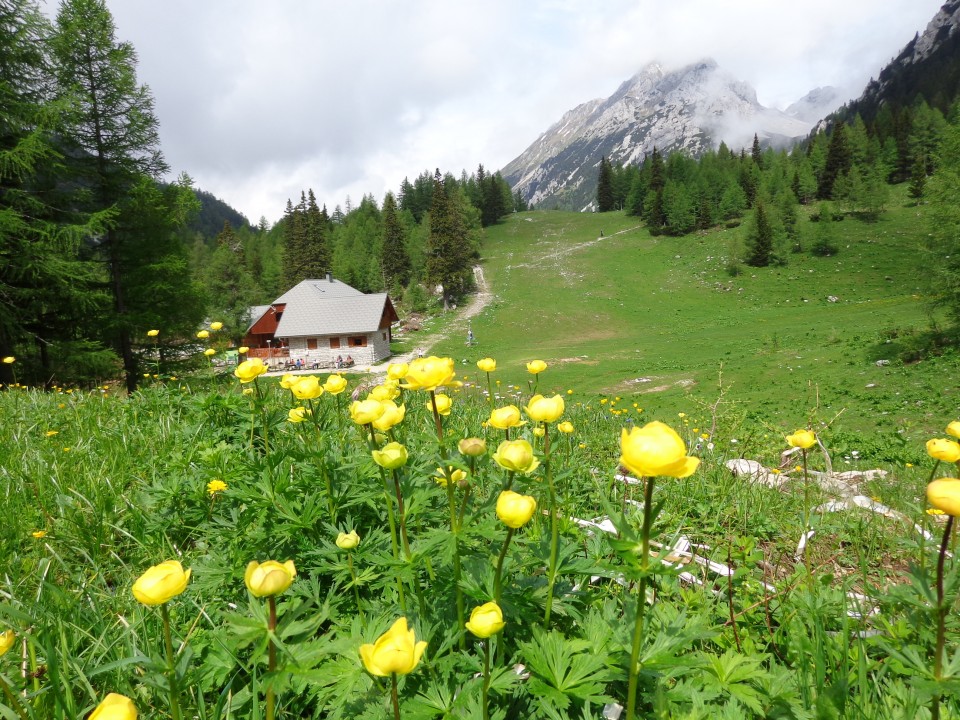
661 321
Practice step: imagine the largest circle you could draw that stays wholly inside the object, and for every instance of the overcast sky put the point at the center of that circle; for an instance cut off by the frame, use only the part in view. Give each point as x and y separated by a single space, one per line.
260 100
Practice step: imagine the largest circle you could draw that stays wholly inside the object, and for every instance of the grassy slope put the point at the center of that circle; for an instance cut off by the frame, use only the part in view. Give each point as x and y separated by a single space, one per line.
607 312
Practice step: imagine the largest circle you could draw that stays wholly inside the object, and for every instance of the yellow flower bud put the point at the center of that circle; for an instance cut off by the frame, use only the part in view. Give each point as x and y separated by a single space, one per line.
472 447
514 509
203 334
152 333
387 391
487 365
243 349
216 325
954 429
298 414
396 651
542 409
485 620
209 352
161 583
566 427
348 541
269 578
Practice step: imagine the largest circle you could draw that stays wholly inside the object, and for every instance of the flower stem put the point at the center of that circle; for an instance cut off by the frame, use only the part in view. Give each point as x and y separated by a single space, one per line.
401 515
554 529
393 696
271 656
353 577
486 678
454 527
12 698
941 621
490 394
499 571
641 597
372 441
806 512
171 664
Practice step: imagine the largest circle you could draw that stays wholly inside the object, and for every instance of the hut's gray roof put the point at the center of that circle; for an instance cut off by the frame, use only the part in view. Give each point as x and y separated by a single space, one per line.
328 307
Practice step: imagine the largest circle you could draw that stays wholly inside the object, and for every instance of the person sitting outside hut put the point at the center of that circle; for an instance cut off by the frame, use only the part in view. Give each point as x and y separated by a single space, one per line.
349 361
339 361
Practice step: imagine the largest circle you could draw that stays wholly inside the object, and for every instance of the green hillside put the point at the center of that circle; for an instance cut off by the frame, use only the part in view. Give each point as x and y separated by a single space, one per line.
659 321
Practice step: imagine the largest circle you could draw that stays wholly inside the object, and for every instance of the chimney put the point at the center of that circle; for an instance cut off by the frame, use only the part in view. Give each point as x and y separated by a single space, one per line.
329 276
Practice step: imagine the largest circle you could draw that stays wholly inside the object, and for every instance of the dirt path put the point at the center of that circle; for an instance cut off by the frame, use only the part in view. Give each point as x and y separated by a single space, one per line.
475 305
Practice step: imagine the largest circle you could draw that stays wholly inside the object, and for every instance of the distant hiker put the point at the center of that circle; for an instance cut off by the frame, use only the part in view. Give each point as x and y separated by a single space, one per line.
469 337
601 233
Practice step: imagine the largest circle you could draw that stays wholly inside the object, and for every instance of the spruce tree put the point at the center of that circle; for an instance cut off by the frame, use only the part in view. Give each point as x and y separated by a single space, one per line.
395 260
605 200
448 245
838 162
759 238
316 259
918 179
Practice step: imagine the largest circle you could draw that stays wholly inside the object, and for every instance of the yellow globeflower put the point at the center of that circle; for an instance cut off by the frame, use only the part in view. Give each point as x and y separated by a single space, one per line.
543 409
514 509
209 352
288 381
114 707
243 350
203 334
269 578
566 427
348 541
216 325
954 429
152 333
396 651
655 449
943 449
429 373
249 370
487 365
161 583
392 416
392 456
298 414
397 371
485 620
944 495
6 641
804 439
506 417
9 360
387 391
536 367
335 384
364 412
516 455
456 474
444 404
307 388
472 447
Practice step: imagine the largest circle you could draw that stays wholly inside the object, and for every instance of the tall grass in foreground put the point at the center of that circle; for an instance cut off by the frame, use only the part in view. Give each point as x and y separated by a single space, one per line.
98 488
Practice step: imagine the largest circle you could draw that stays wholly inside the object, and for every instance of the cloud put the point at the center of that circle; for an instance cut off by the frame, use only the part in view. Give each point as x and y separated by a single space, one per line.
258 101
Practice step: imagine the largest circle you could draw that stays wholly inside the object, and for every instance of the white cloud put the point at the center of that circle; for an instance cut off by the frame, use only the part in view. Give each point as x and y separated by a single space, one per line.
258 101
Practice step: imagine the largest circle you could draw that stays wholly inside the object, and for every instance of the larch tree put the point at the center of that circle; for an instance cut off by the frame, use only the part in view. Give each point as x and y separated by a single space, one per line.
112 136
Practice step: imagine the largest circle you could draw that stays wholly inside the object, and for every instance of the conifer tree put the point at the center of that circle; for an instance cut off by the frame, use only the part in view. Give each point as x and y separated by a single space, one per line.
756 153
115 144
448 245
394 259
605 201
759 238
316 260
837 162
918 179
